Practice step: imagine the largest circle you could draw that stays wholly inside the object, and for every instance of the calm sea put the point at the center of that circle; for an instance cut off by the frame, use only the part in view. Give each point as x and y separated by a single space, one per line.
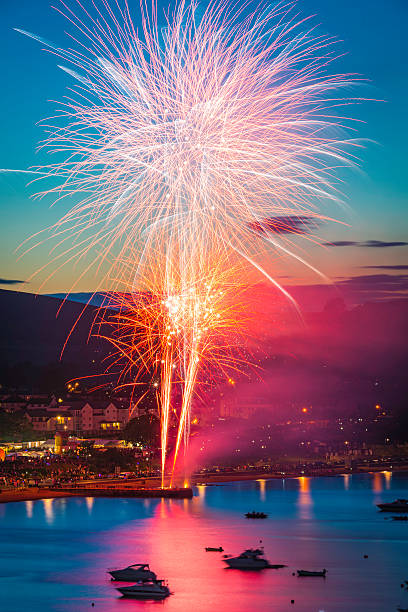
54 553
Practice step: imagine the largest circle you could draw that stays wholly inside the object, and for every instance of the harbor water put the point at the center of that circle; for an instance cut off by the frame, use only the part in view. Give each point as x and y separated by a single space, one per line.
55 553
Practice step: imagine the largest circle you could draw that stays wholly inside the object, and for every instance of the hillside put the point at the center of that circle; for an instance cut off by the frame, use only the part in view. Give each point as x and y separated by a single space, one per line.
31 330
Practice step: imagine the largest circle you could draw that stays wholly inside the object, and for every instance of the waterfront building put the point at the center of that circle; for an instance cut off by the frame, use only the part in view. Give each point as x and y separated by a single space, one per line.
79 416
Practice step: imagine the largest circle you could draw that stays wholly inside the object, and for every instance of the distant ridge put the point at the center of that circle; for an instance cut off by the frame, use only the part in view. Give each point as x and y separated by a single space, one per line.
97 299
31 329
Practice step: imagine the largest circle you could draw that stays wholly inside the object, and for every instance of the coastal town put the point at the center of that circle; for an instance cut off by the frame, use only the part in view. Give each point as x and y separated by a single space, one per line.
203 306
82 440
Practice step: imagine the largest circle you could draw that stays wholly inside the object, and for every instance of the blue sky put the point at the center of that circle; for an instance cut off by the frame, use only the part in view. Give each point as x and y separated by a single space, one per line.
373 35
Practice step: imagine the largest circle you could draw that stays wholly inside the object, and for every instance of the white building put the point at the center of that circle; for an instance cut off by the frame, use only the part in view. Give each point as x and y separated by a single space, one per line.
81 416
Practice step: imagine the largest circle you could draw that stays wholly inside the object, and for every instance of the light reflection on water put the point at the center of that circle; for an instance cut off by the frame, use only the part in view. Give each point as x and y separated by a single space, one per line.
347 478
387 478
201 493
89 503
262 489
48 510
54 553
377 482
305 501
29 508
381 481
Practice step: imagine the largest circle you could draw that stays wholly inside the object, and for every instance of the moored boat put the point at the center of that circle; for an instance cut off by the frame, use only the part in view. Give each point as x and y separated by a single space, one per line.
154 589
399 505
322 574
139 572
212 549
256 515
249 559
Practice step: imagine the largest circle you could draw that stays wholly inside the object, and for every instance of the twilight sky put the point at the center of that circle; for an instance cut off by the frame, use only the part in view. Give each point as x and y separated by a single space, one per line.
370 255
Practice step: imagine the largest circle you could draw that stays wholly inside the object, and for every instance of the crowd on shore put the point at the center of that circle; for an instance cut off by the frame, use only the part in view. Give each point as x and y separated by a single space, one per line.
53 469
23 471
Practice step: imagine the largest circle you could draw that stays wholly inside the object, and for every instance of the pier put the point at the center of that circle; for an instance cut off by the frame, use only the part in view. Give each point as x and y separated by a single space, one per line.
105 490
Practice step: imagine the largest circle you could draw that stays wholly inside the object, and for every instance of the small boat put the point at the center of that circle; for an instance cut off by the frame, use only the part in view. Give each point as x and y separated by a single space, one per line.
154 589
256 515
249 559
211 549
322 574
139 572
399 505
399 518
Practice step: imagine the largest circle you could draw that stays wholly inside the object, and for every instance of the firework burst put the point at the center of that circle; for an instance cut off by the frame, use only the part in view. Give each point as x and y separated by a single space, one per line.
178 330
180 142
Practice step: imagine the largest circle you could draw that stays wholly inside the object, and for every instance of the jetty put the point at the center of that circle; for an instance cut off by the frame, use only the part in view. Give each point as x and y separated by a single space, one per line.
95 489
122 490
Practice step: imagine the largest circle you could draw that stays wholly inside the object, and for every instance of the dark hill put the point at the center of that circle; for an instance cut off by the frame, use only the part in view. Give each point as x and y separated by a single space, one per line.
33 331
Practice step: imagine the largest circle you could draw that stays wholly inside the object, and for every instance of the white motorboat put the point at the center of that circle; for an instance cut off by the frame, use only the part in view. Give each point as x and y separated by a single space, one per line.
249 559
154 589
139 572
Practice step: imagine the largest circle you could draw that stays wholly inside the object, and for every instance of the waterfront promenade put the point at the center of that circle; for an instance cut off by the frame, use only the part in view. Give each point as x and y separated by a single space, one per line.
150 487
95 489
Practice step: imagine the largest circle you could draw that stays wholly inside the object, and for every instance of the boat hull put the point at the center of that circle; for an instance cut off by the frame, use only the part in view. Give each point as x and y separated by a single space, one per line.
247 564
393 507
260 515
209 549
132 576
144 593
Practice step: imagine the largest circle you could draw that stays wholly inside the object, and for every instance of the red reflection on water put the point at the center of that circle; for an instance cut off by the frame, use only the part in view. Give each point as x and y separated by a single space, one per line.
174 542
199 578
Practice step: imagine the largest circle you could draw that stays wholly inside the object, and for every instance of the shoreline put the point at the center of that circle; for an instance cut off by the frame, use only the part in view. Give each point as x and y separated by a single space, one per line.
38 493
234 477
244 476
32 494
